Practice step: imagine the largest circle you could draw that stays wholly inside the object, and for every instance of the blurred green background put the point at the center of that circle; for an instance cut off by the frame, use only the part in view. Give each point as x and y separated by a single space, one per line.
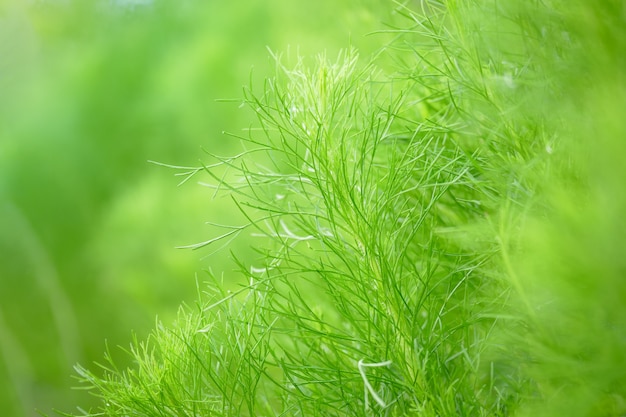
89 92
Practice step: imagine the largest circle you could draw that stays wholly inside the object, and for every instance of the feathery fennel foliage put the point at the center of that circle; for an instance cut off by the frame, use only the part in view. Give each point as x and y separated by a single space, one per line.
413 228
363 305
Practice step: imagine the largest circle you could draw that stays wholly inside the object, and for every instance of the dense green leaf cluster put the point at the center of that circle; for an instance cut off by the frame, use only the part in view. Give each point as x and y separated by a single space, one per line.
439 232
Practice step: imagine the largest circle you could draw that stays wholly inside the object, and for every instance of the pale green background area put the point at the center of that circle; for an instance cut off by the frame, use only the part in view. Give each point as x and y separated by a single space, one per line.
89 92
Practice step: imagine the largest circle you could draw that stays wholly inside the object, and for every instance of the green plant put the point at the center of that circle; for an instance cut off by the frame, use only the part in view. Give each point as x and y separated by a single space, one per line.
413 227
361 303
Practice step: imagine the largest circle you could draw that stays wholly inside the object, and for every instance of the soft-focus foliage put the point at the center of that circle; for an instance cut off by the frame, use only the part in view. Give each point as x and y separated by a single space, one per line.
434 228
